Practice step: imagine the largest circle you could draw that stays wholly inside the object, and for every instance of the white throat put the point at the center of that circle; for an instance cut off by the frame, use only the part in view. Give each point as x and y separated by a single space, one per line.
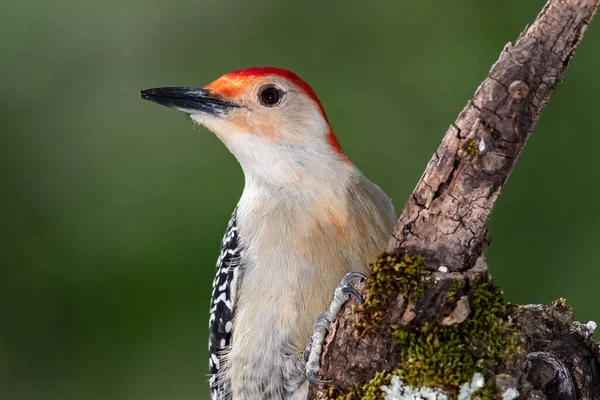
284 165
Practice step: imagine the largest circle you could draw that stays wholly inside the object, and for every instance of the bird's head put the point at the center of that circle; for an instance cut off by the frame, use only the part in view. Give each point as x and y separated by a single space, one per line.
269 118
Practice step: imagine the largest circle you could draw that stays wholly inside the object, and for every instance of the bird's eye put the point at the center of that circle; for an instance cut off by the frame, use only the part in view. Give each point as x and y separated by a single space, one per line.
270 95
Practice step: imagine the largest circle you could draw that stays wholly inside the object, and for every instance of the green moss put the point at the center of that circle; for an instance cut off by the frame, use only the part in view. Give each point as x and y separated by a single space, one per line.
470 149
451 294
444 356
369 391
447 356
390 275
561 303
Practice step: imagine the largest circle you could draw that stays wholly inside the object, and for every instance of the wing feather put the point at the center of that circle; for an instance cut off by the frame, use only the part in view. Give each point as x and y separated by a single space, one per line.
228 273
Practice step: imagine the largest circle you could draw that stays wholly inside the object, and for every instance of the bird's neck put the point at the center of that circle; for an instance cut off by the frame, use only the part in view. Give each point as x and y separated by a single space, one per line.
298 168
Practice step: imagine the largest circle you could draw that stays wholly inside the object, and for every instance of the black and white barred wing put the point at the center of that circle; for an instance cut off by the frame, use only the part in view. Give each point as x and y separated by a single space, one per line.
222 304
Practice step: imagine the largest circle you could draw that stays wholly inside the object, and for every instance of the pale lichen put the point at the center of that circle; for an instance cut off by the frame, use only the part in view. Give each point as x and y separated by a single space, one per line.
396 389
591 325
510 394
399 391
467 389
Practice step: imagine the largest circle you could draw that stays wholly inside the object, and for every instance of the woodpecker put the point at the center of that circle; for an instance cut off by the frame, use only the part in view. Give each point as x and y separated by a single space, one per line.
307 218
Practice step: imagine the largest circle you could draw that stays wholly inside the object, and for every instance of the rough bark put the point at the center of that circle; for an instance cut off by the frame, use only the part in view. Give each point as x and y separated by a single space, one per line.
444 220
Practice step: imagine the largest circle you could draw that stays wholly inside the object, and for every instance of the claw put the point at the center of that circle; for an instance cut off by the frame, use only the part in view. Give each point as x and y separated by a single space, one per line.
352 292
312 378
322 325
351 276
346 289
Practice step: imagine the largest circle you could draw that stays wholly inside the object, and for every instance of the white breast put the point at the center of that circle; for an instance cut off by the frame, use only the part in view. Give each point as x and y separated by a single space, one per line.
296 251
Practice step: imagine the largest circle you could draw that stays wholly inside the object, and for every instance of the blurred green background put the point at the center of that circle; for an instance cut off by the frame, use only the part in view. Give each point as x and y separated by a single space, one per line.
113 208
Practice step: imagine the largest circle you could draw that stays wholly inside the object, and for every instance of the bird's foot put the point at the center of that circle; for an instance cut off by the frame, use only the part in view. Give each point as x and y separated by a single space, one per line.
342 293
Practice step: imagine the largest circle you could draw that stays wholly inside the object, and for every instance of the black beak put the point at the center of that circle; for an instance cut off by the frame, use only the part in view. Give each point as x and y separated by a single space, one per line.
189 100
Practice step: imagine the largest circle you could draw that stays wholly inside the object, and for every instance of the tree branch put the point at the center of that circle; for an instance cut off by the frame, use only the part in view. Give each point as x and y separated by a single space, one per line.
444 220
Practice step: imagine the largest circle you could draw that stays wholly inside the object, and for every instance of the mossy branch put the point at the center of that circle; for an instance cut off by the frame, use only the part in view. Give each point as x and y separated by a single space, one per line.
432 314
